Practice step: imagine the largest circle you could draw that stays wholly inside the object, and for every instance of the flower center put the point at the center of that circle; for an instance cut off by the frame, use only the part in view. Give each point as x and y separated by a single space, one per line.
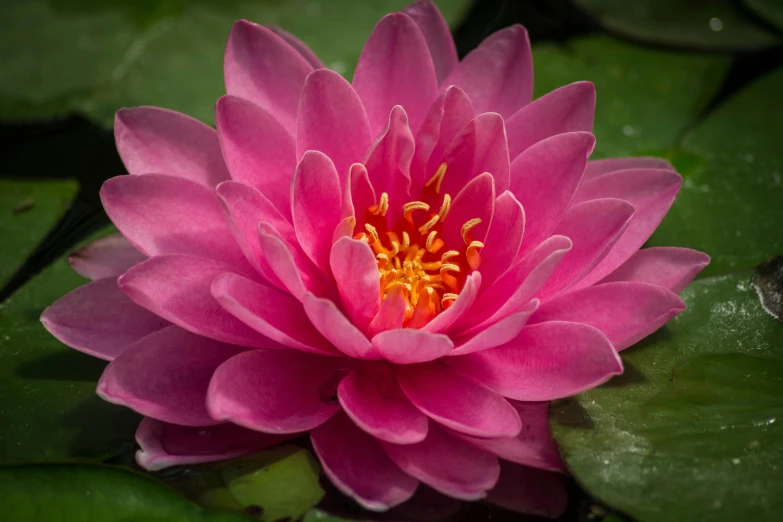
413 261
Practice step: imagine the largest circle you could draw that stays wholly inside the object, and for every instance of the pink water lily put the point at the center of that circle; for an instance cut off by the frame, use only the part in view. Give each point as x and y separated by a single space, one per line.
407 267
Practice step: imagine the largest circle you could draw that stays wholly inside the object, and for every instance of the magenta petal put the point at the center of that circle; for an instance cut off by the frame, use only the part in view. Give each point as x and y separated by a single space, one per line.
151 140
391 313
546 361
333 325
177 288
164 445
567 109
275 391
110 256
165 376
625 312
270 312
263 68
530 491
395 68
669 267
552 167
372 398
166 215
259 151
363 195
460 309
357 465
409 346
604 166
437 35
496 334
475 201
332 120
503 238
447 464
356 272
498 75
299 46
458 402
99 319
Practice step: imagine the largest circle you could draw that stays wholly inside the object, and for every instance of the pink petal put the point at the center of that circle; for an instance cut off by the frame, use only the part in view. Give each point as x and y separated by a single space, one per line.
459 310
263 68
275 391
299 46
498 75
475 200
546 361
167 215
259 151
594 227
332 120
270 312
177 288
669 267
567 109
437 35
496 334
530 491
395 68
110 256
333 325
372 398
151 140
99 319
625 312
165 376
391 313
604 166
316 206
164 445
544 179
408 346
447 464
357 465
456 401
363 194
356 272
650 191
503 238
533 446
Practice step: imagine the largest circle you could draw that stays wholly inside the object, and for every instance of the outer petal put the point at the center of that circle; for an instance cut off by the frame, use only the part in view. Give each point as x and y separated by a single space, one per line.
259 151
437 35
298 45
567 109
263 68
333 325
447 464
165 376
151 140
275 391
496 334
604 166
503 238
625 312
409 346
331 119
458 402
669 267
99 319
395 68
372 398
498 75
546 361
167 215
530 491
356 272
109 256
357 465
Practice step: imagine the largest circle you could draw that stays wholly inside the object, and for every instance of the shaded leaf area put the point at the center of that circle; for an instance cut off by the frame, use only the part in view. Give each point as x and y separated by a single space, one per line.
89 493
50 409
768 281
96 57
696 24
692 430
770 11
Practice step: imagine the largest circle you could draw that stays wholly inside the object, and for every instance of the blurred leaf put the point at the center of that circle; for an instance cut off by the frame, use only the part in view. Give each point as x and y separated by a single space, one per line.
701 24
85 493
692 430
316 515
770 10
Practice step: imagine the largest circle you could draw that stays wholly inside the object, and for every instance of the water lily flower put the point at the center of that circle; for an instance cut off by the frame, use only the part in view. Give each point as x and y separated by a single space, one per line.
407 267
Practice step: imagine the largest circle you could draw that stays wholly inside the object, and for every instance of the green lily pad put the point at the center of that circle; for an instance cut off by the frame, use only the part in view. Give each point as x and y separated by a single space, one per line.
692 430
701 24
645 98
27 211
96 57
770 10
316 515
87 493
731 203
50 410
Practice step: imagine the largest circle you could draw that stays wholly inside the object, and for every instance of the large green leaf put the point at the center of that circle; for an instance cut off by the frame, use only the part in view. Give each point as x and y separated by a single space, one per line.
731 204
95 57
692 430
85 493
50 410
770 10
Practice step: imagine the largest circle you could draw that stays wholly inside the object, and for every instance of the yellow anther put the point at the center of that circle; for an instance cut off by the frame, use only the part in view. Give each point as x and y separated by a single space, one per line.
429 224
409 207
374 232
472 254
382 257
444 208
449 266
466 228
406 241
433 244
448 297
448 254
437 178
382 206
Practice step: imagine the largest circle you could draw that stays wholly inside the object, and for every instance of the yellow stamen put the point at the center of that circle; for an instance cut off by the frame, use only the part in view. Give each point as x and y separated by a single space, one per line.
466 228
409 207
406 241
437 178
472 254
444 208
429 224
374 232
448 254
448 266
433 245
382 206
